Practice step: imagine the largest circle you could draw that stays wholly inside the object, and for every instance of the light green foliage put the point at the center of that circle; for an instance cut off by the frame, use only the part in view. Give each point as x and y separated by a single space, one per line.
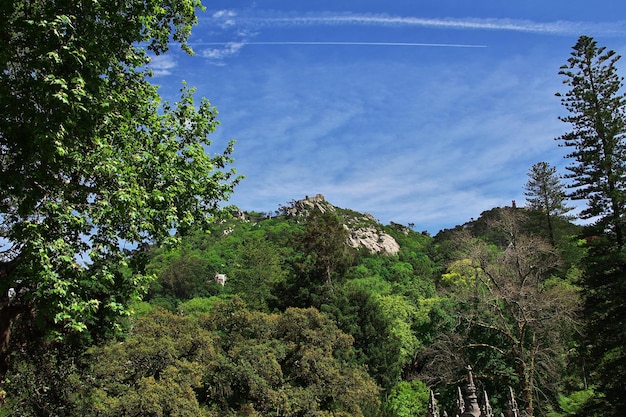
402 272
572 405
463 272
372 285
92 160
401 314
407 399
197 306
414 249
139 308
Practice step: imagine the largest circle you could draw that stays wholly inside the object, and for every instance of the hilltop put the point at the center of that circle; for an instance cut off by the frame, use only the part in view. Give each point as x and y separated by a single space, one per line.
364 230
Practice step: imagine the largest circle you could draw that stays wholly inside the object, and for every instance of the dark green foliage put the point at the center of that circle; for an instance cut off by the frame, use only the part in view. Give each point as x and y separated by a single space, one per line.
186 277
604 287
325 254
546 194
358 311
383 301
381 313
256 271
597 108
42 381
318 262
230 360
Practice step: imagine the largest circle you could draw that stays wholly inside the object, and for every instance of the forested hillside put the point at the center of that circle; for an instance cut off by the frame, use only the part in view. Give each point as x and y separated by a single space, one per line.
310 322
130 288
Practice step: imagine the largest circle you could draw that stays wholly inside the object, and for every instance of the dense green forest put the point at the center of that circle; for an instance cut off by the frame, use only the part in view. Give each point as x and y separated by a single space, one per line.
130 289
306 324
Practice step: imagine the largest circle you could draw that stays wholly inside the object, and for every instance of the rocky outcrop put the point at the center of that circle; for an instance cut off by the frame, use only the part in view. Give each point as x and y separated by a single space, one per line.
374 240
307 204
363 228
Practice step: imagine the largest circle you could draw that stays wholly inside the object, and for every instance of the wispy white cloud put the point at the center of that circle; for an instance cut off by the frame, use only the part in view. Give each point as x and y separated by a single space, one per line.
260 19
224 18
226 50
431 137
430 144
242 27
162 65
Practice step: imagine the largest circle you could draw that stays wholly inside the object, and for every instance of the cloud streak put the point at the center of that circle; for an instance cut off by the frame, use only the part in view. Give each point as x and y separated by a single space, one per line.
242 26
339 43
561 27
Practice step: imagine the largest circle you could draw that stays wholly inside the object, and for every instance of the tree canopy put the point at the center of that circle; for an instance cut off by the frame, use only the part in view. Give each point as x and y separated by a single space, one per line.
227 362
514 318
93 163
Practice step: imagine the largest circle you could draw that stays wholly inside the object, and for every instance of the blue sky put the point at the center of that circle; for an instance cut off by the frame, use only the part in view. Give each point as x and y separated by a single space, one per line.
424 112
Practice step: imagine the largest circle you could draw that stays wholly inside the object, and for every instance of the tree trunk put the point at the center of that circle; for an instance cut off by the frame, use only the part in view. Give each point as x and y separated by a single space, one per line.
9 311
8 314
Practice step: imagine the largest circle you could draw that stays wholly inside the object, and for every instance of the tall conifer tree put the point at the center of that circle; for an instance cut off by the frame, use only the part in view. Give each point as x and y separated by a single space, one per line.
546 193
597 116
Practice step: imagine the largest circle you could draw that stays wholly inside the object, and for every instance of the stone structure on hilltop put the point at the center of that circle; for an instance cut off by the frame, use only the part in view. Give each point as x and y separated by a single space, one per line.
467 404
307 204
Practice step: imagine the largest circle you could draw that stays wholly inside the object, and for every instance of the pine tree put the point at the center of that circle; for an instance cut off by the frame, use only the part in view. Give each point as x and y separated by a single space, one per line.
604 290
597 115
546 193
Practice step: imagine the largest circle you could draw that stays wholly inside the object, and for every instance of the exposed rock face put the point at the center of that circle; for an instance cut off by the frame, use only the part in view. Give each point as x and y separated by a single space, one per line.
370 237
373 240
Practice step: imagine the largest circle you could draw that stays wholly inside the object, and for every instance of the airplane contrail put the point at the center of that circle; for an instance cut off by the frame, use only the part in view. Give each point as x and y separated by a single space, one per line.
443 45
